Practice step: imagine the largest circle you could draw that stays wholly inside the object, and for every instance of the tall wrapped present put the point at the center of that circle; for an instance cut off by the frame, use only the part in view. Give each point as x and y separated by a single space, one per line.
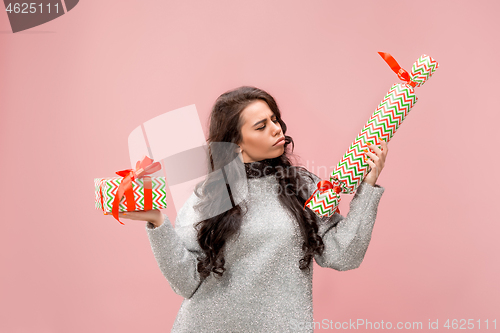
389 115
134 190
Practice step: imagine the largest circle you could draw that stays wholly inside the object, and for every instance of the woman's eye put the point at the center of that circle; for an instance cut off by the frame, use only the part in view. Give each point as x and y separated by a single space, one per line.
261 128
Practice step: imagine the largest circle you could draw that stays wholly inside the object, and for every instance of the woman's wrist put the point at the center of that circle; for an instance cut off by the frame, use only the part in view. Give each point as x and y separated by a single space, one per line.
369 183
156 223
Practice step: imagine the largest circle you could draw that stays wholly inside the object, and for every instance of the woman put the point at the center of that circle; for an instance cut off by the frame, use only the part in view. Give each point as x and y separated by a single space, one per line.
249 268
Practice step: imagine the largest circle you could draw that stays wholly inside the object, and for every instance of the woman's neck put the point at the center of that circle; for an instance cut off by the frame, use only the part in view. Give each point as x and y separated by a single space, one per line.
261 168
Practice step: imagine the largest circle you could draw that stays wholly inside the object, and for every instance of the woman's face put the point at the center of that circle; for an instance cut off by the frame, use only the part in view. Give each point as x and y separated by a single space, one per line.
260 131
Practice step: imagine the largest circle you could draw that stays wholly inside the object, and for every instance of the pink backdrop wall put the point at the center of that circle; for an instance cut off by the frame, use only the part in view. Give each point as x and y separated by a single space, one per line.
74 88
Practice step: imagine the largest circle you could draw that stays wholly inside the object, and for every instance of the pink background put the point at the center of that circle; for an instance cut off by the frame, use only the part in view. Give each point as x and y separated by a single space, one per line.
74 88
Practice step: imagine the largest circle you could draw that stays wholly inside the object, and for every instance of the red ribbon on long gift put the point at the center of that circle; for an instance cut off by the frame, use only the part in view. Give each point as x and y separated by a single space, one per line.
402 74
323 186
143 167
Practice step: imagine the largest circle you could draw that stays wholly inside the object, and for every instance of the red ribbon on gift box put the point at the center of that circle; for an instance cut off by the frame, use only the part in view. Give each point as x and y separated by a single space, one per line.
323 186
402 74
143 167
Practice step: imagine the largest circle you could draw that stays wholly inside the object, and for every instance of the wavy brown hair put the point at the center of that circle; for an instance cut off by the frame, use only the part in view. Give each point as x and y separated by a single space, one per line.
212 233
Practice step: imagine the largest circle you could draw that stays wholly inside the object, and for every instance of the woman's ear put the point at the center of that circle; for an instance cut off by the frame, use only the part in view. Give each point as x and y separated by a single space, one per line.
239 151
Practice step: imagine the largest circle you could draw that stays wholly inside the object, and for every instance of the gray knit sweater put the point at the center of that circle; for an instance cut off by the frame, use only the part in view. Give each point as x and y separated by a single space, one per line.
262 289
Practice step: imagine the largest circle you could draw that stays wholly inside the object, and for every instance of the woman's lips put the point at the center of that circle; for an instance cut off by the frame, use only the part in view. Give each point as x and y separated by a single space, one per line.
281 141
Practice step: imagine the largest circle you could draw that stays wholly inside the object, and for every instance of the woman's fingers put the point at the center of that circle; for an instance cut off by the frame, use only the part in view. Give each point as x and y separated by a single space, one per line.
141 215
384 146
375 160
374 171
132 215
379 152
375 148
372 164
372 155
126 215
378 158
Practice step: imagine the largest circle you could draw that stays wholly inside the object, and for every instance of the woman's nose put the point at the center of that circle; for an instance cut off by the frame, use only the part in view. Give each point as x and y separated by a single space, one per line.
277 128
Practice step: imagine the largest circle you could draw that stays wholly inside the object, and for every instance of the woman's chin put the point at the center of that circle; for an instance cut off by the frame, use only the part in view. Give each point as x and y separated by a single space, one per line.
278 152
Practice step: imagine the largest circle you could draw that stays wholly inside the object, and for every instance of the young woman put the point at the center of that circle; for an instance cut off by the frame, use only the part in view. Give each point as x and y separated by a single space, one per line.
249 268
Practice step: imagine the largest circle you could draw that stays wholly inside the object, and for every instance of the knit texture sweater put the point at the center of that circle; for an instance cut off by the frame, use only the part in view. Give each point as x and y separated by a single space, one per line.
263 289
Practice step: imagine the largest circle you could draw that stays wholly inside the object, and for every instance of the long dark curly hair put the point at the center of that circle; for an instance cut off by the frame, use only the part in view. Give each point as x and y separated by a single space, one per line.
212 233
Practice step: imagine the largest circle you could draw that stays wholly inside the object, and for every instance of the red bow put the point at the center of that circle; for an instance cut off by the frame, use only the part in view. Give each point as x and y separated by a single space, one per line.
142 168
323 186
402 74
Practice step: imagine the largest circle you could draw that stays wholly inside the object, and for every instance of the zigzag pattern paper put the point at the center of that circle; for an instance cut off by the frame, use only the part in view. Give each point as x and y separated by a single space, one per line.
109 187
383 124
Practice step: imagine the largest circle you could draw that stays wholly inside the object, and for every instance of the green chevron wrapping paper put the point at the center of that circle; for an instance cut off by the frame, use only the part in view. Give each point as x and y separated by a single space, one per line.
382 125
107 188
134 190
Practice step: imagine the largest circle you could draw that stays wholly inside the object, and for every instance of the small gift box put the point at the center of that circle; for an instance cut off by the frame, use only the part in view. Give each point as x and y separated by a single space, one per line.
133 191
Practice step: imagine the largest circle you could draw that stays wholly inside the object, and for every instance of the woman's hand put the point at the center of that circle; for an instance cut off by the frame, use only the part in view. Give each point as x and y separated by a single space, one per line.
155 216
376 161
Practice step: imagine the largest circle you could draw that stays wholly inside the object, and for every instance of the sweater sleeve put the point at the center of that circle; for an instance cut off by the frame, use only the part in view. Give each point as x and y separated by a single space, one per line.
346 239
176 250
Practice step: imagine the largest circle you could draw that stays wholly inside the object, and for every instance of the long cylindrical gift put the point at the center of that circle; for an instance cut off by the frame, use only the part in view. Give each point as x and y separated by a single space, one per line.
383 124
